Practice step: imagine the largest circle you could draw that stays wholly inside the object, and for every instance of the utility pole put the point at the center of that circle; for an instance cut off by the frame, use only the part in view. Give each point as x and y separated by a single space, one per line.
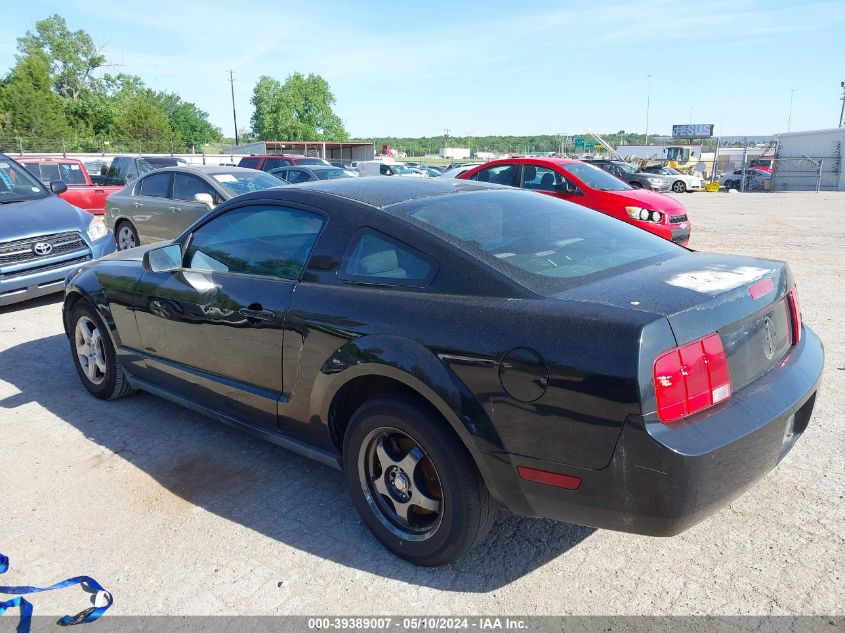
445 140
647 108
842 111
234 113
789 120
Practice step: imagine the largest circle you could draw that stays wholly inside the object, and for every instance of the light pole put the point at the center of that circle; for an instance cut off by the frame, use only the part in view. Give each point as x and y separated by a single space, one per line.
647 108
789 120
842 111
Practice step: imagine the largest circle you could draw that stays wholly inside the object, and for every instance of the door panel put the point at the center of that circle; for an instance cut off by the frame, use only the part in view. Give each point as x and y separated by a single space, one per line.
203 343
213 331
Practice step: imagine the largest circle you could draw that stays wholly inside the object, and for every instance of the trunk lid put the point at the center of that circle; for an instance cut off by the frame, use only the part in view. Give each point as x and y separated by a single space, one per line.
702 293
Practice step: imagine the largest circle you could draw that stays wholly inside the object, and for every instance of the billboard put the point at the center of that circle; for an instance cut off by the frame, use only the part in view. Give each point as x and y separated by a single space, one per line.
693 130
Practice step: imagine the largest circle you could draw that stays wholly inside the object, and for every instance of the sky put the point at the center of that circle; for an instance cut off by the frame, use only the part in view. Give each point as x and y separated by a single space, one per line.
486 67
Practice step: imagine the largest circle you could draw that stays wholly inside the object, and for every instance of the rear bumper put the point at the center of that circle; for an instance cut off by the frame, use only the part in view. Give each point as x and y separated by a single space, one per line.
49 276
663 479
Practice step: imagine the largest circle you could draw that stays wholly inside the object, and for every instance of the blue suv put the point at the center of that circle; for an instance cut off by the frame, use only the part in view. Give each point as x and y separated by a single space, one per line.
42 237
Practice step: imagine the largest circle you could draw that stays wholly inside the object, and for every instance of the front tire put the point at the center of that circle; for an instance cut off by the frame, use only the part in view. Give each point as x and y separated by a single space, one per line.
125 236
93 355
678 186
414 484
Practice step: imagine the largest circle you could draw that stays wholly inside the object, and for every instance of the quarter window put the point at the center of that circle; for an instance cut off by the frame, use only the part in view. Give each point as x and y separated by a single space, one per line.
378 258
257 240
156 185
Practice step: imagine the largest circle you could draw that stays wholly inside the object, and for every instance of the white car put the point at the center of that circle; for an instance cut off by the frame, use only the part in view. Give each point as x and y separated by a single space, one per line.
754 179
680 182
457 171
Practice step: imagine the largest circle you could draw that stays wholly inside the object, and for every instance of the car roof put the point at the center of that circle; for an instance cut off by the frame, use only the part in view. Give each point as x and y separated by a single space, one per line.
209 169
45 159
383 191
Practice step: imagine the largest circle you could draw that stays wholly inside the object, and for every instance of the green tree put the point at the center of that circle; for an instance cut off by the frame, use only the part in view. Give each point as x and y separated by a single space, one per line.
30 109
73 55
187 120
298 110
141 125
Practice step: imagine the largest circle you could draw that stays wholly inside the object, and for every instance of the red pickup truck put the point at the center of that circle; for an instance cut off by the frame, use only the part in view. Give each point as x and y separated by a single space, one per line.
81 192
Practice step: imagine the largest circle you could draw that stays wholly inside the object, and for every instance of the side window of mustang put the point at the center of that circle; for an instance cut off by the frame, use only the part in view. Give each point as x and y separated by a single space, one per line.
378 259
260 240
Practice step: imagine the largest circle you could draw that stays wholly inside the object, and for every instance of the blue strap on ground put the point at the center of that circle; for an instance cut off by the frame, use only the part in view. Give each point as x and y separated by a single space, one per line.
88 615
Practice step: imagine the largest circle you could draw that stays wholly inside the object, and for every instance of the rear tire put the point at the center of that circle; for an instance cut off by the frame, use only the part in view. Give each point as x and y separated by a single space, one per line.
636 185
125 236
93 355
395 453
730 184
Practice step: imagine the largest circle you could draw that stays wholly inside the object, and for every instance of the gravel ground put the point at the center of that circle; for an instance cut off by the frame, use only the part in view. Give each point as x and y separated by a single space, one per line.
176 514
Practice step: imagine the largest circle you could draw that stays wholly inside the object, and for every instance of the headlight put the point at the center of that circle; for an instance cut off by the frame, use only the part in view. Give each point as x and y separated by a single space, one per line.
655 181
644 215
97 229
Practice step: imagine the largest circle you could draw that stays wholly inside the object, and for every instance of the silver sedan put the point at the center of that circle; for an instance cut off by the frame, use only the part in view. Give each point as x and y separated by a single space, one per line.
163 203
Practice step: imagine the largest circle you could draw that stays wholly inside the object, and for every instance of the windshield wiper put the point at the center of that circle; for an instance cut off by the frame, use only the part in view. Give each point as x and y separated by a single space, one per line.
9 201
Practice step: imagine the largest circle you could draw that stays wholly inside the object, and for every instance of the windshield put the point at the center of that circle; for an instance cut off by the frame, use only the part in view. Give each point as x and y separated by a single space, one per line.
595 178
311 161
542 242
70 173
671 172
680 154
17 184
244 182
329 174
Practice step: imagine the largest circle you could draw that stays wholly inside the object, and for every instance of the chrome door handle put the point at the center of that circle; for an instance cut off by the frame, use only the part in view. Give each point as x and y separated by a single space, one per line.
137 204
174 209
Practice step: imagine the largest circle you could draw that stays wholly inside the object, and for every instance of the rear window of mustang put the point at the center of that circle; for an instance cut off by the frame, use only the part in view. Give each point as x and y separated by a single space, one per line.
544 243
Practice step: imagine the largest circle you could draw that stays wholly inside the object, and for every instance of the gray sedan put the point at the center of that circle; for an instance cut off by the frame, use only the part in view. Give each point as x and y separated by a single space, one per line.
163 203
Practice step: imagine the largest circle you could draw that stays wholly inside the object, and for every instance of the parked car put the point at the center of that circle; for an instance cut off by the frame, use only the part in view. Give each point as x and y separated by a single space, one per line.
453 345
455 172
165 161
161 204
629 174
680 182
589 186
385 168
296 173
80 192
274 161
123 170
42 237
754 179
96 167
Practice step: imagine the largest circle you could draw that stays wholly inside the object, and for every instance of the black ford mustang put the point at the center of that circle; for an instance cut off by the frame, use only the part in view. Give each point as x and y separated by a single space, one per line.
453 345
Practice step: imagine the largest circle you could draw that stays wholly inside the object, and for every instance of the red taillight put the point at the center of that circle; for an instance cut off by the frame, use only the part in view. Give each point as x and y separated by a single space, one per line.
691 378
795 309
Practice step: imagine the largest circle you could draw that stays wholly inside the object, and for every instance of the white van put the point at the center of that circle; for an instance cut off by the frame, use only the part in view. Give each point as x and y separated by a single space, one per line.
385 168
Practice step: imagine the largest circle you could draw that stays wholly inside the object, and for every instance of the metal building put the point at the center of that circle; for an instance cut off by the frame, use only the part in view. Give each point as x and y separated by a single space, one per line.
345 151
809 161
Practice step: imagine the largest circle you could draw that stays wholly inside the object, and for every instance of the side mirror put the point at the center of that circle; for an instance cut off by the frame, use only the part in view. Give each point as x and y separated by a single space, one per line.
568 188
163 259
204 198
58 187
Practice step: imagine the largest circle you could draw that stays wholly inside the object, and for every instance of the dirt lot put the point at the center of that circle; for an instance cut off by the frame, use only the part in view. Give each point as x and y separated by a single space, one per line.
178 515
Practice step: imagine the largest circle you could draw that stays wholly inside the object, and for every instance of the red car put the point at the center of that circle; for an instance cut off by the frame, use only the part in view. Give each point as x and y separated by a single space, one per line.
81 192
268 162
589 186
